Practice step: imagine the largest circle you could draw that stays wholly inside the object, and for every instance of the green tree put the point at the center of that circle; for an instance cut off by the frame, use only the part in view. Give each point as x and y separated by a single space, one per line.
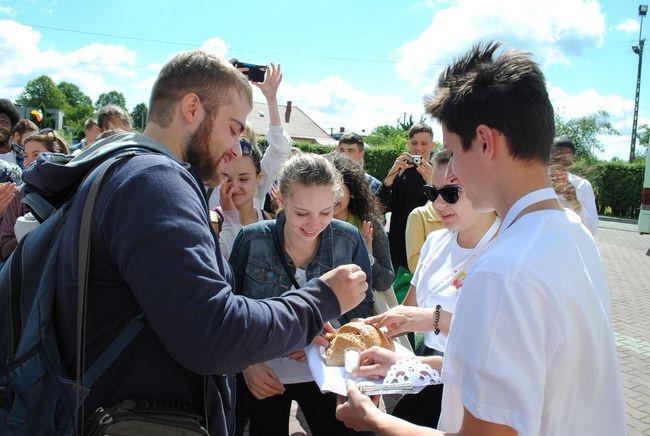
405 125
76 117
42 91
389 136
73 95
584 131
139 116
111 97
80 108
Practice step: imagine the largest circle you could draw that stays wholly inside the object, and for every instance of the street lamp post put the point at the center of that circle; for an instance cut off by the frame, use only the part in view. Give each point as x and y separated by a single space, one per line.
644 213
638 49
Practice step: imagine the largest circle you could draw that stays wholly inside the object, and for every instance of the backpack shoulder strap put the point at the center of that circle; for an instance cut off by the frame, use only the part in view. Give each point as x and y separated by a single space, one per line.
130 331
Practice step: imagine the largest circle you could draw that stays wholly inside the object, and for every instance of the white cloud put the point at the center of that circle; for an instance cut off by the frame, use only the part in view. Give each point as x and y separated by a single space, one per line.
333 103
217 46
628 26
589 101
7 10
614 146
95 68
553 29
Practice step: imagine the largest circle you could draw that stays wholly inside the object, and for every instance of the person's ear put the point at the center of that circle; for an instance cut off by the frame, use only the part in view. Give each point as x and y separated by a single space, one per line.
191 109
486 137
280 199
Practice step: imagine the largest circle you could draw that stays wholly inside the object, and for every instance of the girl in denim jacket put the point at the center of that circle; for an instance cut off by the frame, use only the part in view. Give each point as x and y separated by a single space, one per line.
310 242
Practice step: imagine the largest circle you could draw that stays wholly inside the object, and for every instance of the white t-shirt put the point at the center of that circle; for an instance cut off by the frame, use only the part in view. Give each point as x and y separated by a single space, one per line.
439 275
9 157
585 195
288 370
531 343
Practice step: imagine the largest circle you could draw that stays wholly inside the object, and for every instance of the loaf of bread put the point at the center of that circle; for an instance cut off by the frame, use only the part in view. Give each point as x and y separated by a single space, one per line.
355 334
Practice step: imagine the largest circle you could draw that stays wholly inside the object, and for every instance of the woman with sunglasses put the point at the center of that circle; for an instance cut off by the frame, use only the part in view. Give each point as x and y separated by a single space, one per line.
43 141
248 178
438 279
269 259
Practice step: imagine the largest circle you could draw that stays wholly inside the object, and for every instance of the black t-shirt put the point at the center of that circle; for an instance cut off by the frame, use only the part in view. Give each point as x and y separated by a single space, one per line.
400 199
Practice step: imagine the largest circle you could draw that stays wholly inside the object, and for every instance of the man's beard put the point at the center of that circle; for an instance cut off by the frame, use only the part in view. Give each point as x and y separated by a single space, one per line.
201 155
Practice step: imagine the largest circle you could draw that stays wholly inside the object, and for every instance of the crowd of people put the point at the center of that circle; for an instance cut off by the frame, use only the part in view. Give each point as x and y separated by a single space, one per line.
233 289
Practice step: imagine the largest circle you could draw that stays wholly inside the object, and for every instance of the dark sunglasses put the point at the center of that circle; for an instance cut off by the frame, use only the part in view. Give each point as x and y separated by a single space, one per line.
246 147
449 193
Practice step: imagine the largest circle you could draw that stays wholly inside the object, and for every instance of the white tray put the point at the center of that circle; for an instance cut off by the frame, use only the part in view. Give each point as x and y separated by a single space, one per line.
333 379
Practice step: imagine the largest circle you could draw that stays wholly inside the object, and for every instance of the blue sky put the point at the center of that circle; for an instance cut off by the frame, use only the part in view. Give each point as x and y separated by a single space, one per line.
354 64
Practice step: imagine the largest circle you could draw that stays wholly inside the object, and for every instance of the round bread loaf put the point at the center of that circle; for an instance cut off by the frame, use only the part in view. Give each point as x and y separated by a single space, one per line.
355 334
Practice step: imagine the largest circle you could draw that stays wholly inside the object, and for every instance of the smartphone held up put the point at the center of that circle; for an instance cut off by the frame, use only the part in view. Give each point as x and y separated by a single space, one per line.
255 73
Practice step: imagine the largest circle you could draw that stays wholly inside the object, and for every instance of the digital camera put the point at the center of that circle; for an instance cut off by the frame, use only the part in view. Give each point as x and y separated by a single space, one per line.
416 159
255 73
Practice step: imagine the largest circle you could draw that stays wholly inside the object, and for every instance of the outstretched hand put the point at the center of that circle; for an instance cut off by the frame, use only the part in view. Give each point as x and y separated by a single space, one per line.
403 319
271 83
375 362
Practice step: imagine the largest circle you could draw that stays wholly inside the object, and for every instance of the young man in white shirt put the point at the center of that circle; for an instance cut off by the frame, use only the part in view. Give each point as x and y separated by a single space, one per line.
530 348
581 198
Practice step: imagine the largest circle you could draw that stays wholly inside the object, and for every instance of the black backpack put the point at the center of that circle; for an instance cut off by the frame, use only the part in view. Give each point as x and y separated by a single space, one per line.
37 395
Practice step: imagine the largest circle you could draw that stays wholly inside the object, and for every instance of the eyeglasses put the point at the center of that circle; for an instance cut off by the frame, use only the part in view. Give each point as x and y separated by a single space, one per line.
246 147
449 193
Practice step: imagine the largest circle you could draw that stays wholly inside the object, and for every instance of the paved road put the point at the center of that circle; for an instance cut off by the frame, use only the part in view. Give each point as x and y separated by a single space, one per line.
623 251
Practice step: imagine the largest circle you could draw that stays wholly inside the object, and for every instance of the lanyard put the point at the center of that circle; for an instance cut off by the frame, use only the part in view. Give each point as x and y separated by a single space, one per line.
453 275
526 201
487 237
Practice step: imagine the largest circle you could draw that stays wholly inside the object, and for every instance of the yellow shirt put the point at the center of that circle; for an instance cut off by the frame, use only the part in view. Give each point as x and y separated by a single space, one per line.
421 221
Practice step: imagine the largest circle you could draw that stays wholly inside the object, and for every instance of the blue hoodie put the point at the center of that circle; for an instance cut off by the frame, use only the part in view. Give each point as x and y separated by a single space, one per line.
153 249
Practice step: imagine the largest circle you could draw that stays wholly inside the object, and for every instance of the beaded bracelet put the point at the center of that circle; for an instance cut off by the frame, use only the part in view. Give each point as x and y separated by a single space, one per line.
436 320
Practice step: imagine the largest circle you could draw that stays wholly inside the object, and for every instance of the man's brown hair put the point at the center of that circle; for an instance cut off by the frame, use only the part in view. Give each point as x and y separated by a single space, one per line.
110 112
507 93
24 126
205 74
352 138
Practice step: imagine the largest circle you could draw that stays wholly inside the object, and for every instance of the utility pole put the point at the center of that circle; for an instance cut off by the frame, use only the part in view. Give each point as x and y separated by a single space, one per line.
644 213
637 49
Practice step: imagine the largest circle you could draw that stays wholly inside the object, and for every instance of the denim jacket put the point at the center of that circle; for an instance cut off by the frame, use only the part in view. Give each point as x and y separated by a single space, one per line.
258 269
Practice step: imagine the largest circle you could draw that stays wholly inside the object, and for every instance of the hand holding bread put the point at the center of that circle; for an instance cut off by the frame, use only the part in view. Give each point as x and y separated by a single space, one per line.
355 334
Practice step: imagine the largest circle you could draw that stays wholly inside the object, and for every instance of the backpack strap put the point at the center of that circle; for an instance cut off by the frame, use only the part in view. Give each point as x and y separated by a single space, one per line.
83 382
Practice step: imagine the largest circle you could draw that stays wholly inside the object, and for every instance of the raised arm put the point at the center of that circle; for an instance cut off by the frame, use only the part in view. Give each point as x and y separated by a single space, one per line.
279 141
